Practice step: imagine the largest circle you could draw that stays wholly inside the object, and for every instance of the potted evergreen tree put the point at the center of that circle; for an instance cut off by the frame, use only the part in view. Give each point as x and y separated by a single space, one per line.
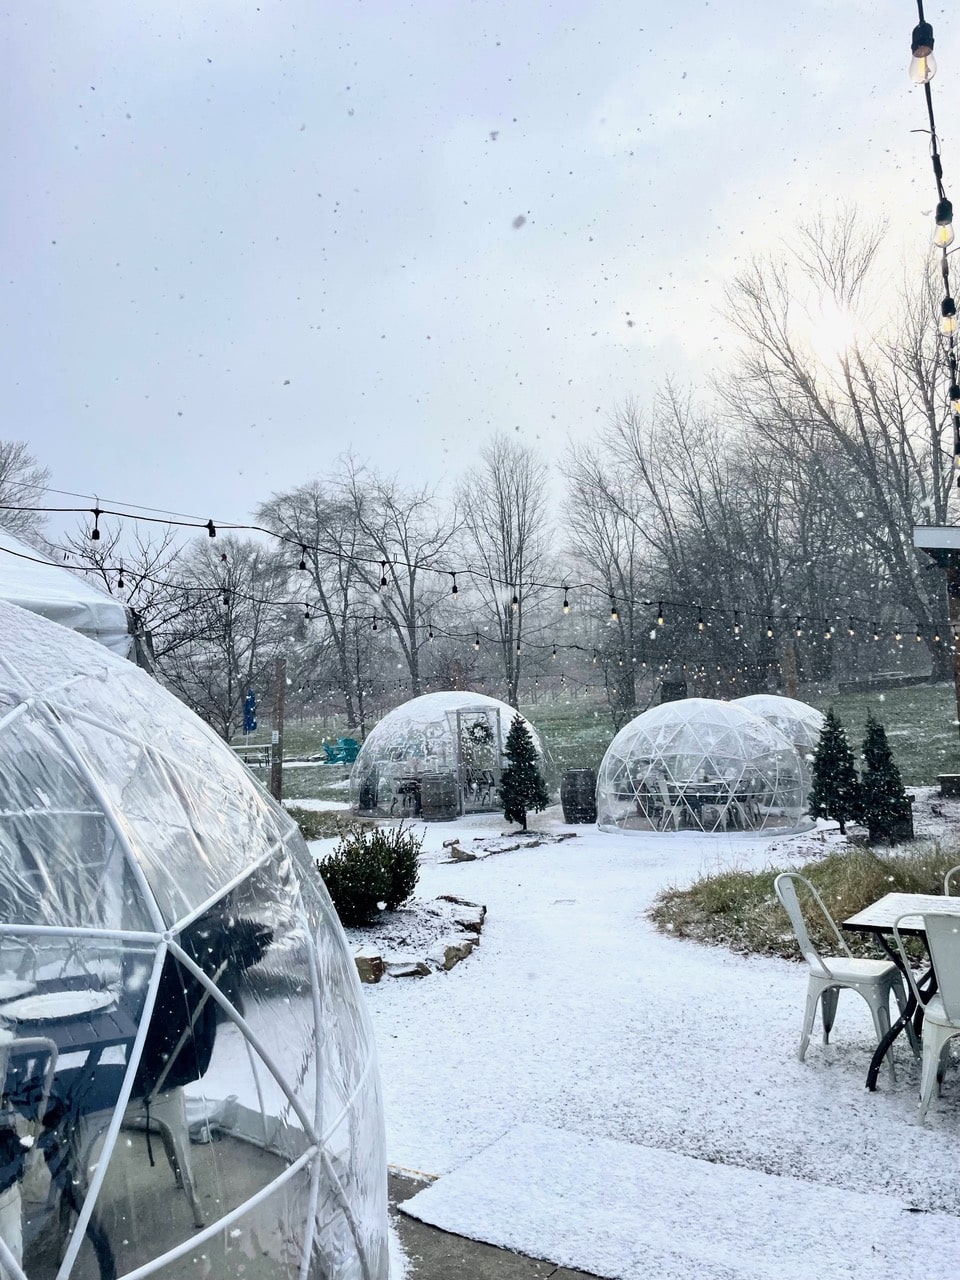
522 787
886 806
836 788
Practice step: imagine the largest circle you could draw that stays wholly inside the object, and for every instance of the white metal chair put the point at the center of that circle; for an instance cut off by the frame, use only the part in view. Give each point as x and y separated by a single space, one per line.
21 1114
671 805
947 889
941 1010
872 979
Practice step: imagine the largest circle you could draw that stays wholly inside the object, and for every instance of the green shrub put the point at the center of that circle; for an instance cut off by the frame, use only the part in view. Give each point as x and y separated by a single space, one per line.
371 870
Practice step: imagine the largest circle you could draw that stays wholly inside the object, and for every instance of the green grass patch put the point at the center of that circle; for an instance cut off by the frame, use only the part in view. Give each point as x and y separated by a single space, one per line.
739 909
323 824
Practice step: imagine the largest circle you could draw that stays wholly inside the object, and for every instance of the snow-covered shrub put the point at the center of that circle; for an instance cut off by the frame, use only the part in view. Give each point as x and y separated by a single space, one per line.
371 870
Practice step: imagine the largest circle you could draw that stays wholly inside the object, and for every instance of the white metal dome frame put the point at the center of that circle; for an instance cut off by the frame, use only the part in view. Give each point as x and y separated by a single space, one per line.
700 765
146 878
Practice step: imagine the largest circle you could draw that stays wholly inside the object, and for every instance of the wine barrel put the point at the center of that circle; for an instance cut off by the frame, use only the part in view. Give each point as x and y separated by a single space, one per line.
439 797
578 795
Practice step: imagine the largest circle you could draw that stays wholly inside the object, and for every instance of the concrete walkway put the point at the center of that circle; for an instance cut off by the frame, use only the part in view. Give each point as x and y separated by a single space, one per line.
437 1255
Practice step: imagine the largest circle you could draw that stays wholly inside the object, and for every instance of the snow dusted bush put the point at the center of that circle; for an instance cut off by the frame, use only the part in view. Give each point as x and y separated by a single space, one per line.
371 870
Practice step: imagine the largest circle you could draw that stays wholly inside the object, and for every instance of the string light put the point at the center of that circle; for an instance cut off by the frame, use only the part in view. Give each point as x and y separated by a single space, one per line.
769 628
515 602
375 627
566 601
554 654
476 643
211 529
95 531
226 596
898 635
303 557
799 628
851 630
660 614
699 619
613 610
307 615
876 633
736 623
948 317
923 65
453 589
120 582
943 235
383 574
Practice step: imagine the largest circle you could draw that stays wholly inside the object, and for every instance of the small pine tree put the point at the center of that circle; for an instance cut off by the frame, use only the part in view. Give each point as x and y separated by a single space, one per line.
836 788
521 785
885 802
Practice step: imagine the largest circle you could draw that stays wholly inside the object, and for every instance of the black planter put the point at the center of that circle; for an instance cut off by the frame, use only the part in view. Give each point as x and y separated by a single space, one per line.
578 796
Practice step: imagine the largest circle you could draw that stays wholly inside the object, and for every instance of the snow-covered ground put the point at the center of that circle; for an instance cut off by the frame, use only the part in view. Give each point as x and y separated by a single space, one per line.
576 1015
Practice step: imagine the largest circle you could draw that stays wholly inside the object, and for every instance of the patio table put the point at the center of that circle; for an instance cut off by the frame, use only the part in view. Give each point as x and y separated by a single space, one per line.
877 921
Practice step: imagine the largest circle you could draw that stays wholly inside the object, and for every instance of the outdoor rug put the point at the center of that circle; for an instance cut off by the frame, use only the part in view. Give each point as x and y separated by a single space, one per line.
631 1213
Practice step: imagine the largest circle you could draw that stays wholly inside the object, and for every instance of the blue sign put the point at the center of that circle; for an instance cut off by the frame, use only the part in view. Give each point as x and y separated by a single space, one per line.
250 712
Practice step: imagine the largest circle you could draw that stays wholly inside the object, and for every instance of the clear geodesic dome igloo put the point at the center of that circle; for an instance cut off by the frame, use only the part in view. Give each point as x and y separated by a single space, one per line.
435 756
797 721
700 765
188 1083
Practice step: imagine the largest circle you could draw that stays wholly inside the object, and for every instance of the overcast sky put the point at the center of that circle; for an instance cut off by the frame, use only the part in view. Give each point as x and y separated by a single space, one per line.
240 237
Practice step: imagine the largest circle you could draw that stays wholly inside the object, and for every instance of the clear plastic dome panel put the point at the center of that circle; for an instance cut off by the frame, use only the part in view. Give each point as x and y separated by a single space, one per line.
226 1076
700 765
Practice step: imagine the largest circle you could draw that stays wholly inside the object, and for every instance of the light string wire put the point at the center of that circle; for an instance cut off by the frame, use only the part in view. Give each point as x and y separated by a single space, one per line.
923 69
773 624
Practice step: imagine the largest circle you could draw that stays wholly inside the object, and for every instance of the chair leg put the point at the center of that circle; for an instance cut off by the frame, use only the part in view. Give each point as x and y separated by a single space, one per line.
809 1012
934 1042
901 998
828 1010
879 1002
179 1160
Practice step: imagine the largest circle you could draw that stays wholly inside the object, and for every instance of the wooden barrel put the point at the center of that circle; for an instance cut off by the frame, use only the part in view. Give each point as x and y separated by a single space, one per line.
578 795
439 797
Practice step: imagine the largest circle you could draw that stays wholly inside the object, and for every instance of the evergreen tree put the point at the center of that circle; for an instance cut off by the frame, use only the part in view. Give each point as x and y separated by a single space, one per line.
521 785
885 803
836 788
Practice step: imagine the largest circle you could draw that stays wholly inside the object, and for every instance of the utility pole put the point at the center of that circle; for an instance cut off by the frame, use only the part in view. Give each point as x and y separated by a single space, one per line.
276 741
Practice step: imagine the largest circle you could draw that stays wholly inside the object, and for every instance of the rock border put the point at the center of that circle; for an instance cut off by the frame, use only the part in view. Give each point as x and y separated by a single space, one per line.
444 954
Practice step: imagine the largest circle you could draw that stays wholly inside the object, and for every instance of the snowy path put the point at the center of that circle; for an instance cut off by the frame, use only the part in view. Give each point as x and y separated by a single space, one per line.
576 1014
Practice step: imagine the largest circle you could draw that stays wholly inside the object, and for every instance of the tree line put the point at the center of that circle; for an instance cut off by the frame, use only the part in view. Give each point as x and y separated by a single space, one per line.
776 521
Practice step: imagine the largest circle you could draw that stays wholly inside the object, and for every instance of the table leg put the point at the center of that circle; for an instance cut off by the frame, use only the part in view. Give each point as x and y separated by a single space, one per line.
913 1011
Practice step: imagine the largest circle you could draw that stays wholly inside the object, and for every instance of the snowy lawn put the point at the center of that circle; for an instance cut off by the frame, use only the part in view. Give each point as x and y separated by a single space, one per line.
576 1015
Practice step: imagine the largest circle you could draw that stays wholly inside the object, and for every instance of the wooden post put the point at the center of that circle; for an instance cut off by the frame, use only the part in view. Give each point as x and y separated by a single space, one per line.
953 608
276 754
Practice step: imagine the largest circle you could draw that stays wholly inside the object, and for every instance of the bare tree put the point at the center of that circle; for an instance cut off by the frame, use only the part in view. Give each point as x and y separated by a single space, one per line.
402 537
22 481
324 536
235 623
503 500
864 427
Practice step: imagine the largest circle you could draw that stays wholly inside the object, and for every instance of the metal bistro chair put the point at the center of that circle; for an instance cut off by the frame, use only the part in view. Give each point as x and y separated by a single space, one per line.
941 1010
872 979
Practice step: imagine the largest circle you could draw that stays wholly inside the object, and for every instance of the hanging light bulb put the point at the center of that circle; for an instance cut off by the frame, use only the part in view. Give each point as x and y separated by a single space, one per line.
594 657
453 589
851 630
954 394
430 631
120 582
660 614
554 654
383 574
95 531
211 529
699 619
515 602
923 65
518 648
943 233
919 636
375 627
223 557
226 596
303 557
876 632
307 615
769 628
476 643
936 637
566 601
613 610
736 622
799 628
948 316
898 635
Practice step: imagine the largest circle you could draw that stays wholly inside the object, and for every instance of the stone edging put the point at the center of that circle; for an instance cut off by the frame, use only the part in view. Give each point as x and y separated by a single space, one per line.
446 952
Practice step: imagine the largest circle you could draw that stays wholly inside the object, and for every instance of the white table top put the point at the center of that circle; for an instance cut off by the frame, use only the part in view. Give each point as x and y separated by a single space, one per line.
882 914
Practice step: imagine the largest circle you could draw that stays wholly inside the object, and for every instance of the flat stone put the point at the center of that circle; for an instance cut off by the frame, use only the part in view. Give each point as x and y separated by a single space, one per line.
460 855
454 952
370 965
